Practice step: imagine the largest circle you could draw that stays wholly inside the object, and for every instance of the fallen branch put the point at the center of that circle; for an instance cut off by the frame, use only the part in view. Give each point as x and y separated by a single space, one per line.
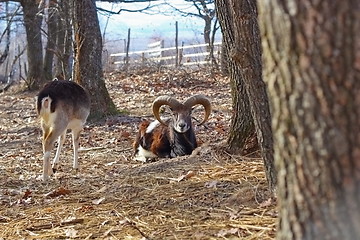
90 149
58 224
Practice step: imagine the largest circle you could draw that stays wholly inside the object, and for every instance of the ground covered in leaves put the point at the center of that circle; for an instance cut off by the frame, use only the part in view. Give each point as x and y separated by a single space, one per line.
208 195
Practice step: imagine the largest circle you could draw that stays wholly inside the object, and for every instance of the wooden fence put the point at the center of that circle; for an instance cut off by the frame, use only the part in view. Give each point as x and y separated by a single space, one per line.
156 54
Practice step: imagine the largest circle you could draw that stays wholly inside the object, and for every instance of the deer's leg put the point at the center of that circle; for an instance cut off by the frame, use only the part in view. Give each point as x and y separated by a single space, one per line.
46 152
75 139
48 143
49 137
61 140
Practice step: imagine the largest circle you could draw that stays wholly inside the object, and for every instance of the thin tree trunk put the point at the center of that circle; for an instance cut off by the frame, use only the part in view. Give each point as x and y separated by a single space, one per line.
207 31
214 63
312 59
32 22
7 31
64 41
51 40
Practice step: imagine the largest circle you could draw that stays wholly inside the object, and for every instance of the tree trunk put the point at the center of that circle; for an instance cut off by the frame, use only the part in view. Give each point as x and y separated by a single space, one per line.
242 125
224 66
312 59
32 22
5 53
64 41
88 48
51 40
238 19
207 31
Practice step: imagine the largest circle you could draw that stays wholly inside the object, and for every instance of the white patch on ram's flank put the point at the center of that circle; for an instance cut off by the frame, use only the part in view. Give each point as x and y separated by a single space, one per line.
152 126
143 154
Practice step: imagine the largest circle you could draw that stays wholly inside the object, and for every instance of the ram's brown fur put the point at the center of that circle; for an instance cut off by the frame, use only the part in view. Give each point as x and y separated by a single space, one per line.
173 137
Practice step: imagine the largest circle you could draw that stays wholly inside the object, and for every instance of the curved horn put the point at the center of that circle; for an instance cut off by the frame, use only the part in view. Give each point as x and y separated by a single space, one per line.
202 100
164 100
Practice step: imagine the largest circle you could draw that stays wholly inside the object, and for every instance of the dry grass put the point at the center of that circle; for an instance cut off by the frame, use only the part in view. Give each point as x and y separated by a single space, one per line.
208 195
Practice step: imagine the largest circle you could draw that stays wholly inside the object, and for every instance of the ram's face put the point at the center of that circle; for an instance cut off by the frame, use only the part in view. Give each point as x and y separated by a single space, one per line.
182 120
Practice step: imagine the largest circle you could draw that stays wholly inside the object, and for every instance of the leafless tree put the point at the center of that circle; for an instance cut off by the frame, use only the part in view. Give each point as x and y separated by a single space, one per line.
204 9
6 36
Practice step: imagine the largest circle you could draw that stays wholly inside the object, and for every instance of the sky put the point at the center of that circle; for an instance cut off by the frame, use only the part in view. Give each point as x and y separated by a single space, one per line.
145 27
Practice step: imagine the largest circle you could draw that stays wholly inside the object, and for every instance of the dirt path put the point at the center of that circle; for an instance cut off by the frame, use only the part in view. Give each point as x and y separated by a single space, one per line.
208 195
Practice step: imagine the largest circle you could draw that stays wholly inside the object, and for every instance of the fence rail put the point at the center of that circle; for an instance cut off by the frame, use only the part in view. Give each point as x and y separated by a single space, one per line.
156 53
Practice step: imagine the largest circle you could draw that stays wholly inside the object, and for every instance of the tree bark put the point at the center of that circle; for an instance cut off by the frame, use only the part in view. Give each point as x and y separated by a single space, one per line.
207 31
32 22
312 65
63 66
88 67
238 19
242 125
5 53
51 40
64 51
224 66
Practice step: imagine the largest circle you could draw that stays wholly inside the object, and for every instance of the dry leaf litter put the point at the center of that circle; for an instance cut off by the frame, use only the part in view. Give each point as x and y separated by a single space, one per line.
208 195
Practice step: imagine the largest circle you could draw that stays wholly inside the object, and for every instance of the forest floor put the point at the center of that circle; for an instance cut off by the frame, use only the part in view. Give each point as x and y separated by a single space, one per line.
208 195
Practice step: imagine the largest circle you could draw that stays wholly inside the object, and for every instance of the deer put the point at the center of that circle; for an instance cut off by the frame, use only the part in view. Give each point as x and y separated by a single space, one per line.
61 105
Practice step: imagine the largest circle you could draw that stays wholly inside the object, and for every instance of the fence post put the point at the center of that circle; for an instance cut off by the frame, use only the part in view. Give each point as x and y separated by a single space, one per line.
176 44
127 51
161 51
143 58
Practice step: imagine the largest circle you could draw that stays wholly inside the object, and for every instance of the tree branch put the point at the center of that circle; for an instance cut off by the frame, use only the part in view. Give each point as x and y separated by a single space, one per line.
125 10
126 1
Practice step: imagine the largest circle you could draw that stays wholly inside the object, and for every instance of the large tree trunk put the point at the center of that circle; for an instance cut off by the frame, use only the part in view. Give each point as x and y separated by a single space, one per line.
312 59
242 125
32 21
88 68
238 19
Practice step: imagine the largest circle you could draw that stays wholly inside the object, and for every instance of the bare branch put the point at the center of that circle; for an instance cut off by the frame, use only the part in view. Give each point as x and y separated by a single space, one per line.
150 5
199 10
126 1
125 10
7 30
